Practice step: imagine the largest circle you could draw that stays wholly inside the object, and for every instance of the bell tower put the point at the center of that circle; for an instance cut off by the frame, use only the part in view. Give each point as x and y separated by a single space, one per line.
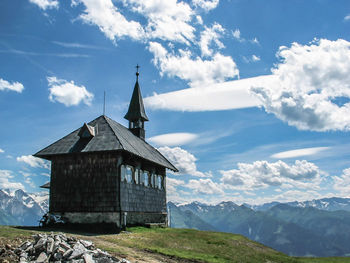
136 114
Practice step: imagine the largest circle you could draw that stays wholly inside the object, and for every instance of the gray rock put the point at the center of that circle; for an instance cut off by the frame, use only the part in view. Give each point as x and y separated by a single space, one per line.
87 244
25 245
88 258
58 256
41 258
104 260
23 260
59 248
50 245
40 243
67 253
78 251
64 245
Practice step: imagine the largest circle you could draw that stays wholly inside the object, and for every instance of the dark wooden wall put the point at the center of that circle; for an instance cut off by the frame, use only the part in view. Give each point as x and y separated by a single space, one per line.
138 198
89 182
85 183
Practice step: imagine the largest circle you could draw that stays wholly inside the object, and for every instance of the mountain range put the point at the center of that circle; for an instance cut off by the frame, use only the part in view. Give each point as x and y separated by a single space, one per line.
311 228
20 208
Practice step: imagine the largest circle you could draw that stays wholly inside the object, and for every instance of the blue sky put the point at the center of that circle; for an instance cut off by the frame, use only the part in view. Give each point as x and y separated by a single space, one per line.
249 99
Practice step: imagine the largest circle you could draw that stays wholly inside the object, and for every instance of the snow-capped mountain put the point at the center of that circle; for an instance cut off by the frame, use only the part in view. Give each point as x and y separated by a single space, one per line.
20 208
318 227
327 204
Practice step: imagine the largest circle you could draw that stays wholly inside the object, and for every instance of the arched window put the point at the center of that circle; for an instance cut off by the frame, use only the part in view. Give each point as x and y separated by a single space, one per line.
145 178
137 175
122 173
159 182
129 173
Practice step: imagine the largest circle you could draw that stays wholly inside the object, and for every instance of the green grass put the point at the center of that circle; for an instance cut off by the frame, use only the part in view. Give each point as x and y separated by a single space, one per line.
199 245
184 244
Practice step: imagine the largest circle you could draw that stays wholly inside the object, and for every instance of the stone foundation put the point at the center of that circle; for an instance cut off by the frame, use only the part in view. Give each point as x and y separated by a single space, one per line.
90 217
144 218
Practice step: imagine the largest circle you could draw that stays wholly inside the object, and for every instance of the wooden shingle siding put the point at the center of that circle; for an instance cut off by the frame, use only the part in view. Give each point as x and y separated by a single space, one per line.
84 183
138 198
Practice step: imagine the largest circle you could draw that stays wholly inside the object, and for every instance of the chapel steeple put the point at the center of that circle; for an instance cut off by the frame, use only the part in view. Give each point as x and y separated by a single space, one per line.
136 114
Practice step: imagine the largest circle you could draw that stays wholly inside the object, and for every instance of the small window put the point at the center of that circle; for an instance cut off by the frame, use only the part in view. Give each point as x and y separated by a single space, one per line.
145 178
160 185
129 173
122 173
153 180
137 175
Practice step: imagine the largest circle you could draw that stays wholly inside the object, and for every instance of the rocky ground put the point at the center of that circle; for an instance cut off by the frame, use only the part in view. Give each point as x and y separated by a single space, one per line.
55 248
58 247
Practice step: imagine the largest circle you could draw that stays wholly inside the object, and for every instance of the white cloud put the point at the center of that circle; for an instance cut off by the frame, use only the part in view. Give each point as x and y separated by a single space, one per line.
5 183
77 45
26 174
299 152
34 161
1 150
237 35
255 41
342 183
30 182
109 20
173 139
262 174
204 186
194 70
207 5
67 92
184 161
15 86
255 58
172 183
312 90
347 18
209 35
222 96
166 20
45 4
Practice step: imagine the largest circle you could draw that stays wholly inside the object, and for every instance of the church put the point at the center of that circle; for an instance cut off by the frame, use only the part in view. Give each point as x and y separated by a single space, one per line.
105 173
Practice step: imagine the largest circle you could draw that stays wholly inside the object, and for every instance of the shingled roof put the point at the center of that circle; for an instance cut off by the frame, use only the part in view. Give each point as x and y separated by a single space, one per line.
109 136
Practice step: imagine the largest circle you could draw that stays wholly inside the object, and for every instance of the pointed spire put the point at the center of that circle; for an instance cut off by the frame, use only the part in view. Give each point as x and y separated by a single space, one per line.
136 109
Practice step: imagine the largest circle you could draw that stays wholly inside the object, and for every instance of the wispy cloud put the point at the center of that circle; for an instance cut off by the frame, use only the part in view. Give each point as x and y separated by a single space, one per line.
299 152
29 53
173 139
222 96
1 150
77 45
347 17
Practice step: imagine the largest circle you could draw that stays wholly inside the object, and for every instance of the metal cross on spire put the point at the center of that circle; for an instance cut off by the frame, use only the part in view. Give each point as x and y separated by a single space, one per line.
137 72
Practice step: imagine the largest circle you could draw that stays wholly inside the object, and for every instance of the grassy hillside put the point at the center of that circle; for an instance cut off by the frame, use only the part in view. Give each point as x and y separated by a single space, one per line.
174 245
